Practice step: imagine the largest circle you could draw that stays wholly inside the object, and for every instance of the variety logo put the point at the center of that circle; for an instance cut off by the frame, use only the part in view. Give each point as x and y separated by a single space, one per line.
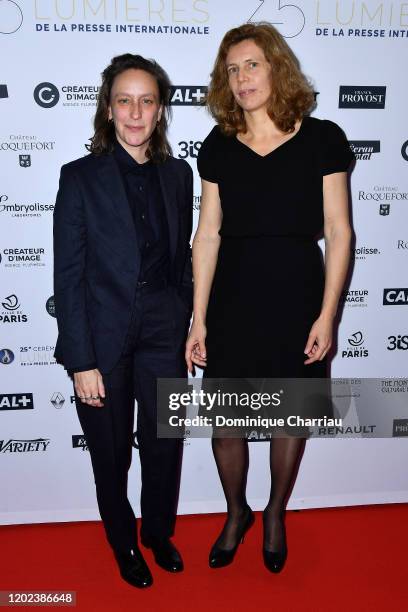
363 149
3 92
37 355
16 401
352 96
79 442
11 312
57 399
188 95
355 297
395 297
189 149
24 446
6 356
11 17
23 257
23 210
50 306
356 346
399 343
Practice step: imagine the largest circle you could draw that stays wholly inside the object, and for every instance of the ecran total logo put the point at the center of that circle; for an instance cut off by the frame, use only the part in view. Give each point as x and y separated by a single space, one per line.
11 17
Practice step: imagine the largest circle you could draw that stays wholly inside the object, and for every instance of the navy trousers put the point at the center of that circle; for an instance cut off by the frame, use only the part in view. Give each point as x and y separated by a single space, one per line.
154 349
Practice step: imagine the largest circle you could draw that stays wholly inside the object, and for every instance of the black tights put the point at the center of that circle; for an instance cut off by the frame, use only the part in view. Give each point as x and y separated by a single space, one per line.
231 456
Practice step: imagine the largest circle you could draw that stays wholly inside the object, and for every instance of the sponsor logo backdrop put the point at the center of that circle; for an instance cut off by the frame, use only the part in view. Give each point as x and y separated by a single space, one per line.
354 52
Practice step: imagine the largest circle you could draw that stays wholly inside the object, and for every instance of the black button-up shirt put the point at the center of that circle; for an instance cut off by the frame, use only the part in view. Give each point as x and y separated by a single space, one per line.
145 198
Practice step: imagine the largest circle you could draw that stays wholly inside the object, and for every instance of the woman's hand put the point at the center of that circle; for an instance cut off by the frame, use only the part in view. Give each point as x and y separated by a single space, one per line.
320 339
89 387
195 346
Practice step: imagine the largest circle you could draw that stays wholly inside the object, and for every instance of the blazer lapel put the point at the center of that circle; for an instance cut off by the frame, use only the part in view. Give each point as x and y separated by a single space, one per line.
112 183
169 190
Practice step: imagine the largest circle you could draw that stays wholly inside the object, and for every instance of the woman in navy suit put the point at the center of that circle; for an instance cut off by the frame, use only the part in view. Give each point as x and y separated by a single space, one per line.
123 294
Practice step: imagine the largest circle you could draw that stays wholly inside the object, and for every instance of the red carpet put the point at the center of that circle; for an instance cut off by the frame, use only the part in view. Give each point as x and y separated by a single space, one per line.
344 559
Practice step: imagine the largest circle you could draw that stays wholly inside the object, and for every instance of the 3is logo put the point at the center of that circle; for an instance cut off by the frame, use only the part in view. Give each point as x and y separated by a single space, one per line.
189 149
399 343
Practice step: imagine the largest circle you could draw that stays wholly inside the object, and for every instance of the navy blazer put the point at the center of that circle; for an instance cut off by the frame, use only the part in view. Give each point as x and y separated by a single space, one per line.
97 259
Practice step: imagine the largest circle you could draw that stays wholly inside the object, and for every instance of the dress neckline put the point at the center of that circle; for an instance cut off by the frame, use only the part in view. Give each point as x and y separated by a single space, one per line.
276 148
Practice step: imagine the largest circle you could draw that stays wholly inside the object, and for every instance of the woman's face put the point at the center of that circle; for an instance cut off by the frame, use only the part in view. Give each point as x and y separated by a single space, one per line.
249 75
135 108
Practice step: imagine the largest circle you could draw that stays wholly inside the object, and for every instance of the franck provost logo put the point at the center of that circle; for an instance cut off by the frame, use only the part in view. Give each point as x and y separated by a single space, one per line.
355 346
187 95
364 149
396 297
24 446
355 96
16 401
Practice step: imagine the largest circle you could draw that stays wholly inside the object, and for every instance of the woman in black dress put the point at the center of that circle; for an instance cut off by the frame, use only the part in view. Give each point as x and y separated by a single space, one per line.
273 178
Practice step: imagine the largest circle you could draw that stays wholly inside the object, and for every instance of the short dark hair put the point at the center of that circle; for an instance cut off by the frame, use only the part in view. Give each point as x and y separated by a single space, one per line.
104 137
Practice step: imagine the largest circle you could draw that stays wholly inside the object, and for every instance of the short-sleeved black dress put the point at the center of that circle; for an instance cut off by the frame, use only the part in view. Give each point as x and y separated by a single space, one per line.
269 280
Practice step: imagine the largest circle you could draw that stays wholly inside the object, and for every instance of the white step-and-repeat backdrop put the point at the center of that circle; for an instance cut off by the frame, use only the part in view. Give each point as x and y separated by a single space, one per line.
52 53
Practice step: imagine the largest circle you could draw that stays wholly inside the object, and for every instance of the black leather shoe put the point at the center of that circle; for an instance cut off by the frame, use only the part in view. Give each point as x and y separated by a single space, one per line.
220 557
133 568
165 554
275 561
